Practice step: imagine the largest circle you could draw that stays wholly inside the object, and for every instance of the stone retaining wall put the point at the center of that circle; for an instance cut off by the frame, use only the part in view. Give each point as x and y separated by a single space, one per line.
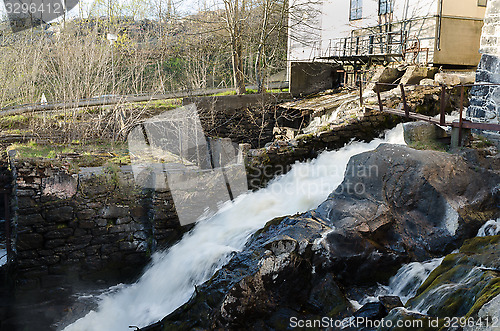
485 100
89 226
266 163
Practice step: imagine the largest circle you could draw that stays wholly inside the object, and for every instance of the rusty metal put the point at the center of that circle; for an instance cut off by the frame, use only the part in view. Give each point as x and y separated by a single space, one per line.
361 93
460 121
442 99
478 126
462 124
380 105
405 105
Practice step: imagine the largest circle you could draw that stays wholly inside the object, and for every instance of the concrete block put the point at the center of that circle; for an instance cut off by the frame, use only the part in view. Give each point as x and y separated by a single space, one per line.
414 74
447 79
421 132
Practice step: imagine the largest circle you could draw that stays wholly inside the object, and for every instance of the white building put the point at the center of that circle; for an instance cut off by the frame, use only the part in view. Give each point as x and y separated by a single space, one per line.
357 32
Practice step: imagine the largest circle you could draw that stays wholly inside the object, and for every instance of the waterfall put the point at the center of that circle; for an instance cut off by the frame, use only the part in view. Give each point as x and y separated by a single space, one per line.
409 278
169 280
490 228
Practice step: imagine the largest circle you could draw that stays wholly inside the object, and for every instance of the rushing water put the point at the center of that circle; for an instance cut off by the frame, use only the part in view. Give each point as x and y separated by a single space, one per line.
412 275
490 228
170 279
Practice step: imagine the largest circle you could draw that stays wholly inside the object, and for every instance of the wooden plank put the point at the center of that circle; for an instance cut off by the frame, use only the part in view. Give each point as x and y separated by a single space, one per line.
420 117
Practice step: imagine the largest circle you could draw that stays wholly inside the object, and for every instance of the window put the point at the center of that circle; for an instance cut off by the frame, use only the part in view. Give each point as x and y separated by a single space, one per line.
482 3
356 9
385 7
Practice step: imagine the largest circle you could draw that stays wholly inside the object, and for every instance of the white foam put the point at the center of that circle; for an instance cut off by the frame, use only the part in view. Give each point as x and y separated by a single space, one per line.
171 278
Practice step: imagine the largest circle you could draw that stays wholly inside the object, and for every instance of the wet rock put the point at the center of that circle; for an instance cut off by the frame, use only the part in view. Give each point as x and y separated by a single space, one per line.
390 302
414 205
421 131
464 282
418 204
371 311
403 315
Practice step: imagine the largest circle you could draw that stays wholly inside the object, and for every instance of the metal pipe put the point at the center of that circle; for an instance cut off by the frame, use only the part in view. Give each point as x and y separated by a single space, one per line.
440 19
460 122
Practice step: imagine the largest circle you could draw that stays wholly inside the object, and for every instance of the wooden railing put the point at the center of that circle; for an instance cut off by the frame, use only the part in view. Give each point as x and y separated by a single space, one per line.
405 111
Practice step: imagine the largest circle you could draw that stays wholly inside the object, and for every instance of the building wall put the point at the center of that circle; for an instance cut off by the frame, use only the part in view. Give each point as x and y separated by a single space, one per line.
485 100
330 20
460 25
459 42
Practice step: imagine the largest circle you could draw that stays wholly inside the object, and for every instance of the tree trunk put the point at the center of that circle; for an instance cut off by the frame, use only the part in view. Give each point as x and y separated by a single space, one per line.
239 78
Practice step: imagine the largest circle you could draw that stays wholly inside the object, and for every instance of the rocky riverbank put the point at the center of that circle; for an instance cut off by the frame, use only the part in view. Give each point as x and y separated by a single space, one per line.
412 206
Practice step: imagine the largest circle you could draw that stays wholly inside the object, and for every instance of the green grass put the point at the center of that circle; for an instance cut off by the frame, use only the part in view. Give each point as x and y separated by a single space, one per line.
94 154
12 121
429 145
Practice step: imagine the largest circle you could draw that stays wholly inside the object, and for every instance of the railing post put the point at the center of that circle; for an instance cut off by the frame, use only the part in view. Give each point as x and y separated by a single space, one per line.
8 247
380 105
442 118
460 121
405 105
360 91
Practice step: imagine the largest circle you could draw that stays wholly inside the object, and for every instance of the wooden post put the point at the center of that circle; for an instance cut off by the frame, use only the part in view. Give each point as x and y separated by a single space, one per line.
380 105
460 121
405 105
442 118
360 92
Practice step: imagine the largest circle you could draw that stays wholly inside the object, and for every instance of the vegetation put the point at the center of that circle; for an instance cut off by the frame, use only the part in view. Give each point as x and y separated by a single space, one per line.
76 153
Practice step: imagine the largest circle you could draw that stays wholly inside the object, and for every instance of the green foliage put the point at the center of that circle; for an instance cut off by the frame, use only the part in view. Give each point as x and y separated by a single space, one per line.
89 155
429 145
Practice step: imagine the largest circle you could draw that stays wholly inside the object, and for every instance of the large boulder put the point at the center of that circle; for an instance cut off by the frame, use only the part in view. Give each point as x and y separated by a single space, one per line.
402 202
395 204
463 283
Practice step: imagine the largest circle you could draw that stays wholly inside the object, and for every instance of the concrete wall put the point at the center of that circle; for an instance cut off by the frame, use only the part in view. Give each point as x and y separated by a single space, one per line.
307 77
459 43
485 100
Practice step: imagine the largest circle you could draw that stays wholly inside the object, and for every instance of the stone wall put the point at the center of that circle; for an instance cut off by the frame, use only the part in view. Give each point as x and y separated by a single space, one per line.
95 225
266 163
485 100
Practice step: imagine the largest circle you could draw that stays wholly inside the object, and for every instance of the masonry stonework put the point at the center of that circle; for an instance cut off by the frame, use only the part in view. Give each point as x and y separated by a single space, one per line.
90 226
485 100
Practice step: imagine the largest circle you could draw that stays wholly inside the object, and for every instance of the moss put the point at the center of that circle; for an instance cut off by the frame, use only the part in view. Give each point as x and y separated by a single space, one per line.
467 297
429 145
87 155
487 294
478 244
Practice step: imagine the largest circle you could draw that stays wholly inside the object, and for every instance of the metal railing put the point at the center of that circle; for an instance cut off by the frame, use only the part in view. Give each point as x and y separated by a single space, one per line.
391 43
405 111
